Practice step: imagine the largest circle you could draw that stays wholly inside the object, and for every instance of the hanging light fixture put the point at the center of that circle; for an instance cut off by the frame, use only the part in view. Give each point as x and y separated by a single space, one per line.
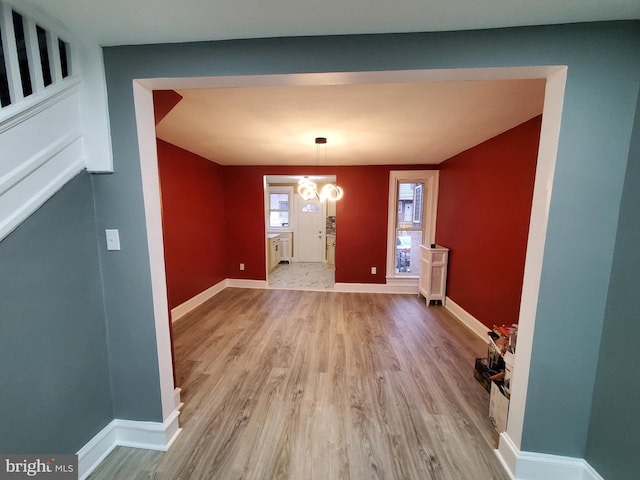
308 189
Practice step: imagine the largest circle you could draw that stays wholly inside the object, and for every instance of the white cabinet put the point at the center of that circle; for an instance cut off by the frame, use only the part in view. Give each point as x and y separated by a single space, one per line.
331 250
273 247
433 273
285 247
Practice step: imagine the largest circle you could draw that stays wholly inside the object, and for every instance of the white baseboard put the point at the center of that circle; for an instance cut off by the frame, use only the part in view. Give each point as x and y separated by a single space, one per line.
375 288
240 283
539 466
127 433
468 320
590 473
181 310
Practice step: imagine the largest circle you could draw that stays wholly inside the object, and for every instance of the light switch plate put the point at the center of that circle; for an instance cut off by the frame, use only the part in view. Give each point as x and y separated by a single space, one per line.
113 239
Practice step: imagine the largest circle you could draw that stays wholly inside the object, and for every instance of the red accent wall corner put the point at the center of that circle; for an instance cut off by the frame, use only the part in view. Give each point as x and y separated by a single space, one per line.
193 222
484 208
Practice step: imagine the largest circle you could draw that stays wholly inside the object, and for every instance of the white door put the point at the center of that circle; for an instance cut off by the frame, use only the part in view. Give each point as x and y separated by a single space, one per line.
310 243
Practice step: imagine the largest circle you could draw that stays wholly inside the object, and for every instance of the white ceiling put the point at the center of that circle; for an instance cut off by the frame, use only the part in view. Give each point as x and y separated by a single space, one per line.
124 22
365 124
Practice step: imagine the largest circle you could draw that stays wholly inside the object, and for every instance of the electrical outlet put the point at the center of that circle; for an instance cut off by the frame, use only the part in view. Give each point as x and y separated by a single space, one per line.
242 266
373 270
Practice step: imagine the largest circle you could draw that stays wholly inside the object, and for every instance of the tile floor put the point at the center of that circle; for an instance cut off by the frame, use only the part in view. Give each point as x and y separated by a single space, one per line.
307 276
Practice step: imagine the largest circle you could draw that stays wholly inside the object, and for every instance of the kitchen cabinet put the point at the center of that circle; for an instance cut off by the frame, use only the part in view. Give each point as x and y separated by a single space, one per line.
433 273
274 249
331 249
285 247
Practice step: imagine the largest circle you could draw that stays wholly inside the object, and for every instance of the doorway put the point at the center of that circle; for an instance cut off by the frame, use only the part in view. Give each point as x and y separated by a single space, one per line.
305 239
555 77
311 224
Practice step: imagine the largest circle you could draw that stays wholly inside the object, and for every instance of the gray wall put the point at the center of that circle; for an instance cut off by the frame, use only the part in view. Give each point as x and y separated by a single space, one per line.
599 108
611 449
53 349
133 357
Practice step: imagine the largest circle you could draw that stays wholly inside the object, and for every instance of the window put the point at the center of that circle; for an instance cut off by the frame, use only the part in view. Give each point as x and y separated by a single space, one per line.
32 58
279 207
409 231
412 197
418 202
23 58
311 207
5 97
44 55
64 58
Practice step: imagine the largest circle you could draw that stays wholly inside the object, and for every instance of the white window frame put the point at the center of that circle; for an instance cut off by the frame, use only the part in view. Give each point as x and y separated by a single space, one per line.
42 96
430 207
287 190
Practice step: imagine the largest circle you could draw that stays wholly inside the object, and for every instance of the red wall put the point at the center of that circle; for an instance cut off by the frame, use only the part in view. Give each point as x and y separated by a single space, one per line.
244 216
163 103
214 220
361 225
484 206
193 222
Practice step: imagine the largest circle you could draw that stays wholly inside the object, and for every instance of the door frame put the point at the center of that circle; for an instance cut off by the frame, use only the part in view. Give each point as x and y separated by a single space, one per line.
299 202
555 76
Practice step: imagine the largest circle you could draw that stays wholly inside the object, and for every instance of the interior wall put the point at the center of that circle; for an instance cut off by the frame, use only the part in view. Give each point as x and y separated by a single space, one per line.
611 448
361 219
56 391
484 208
583 201
135 366
245 220
193 220
361 224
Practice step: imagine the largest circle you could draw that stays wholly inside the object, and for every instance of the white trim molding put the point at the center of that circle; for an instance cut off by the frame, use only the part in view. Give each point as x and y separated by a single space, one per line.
407 286
241 283
539 466
34 192
13 115
143 102
33 171
398 288
554 97
31 164
430 178
127 433
194 302
468 320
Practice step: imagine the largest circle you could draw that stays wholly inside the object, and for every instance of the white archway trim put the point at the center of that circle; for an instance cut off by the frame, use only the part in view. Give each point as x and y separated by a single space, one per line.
143 100
549 135
550 130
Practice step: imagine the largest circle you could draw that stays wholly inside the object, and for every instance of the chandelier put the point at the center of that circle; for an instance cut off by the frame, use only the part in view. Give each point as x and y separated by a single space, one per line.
308 189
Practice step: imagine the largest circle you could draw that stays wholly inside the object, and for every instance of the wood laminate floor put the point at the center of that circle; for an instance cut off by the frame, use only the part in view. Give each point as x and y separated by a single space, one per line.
302 385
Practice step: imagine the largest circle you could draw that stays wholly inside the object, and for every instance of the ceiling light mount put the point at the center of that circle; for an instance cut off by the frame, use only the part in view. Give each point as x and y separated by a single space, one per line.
308 189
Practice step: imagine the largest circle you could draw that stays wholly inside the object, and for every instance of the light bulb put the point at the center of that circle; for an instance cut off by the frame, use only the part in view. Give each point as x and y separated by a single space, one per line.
331 192
307 189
